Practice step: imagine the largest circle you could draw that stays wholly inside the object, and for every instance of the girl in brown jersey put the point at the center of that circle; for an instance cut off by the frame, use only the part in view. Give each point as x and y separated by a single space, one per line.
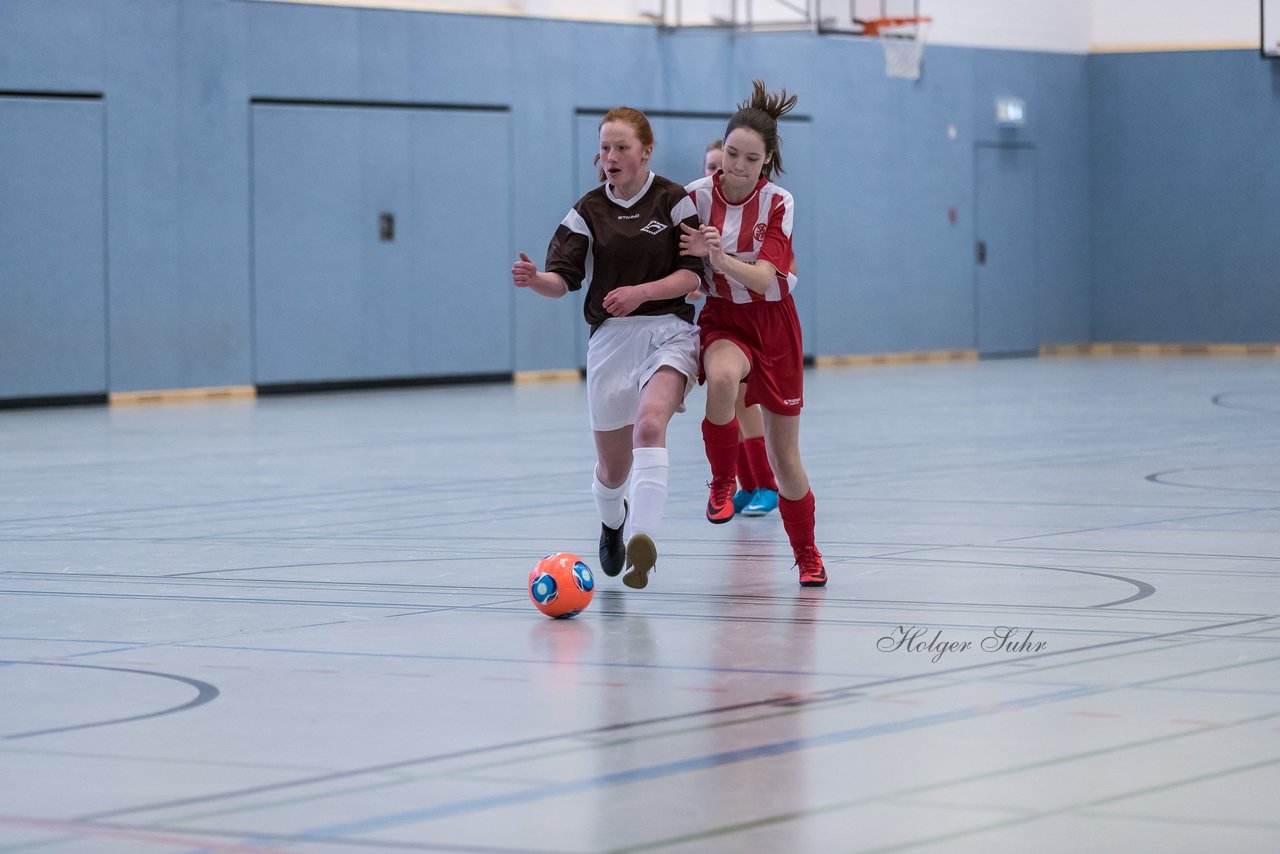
622 240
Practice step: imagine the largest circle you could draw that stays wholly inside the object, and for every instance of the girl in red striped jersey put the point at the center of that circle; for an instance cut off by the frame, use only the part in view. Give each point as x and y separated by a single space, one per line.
749 327
757 493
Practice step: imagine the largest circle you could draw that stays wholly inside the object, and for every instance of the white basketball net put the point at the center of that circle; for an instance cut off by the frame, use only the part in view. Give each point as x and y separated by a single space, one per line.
903 50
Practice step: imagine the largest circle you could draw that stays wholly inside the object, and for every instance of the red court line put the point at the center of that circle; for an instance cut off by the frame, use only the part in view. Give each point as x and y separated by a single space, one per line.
82 829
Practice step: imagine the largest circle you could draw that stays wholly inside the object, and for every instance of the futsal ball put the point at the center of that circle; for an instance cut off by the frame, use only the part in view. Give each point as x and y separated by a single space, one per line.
561 585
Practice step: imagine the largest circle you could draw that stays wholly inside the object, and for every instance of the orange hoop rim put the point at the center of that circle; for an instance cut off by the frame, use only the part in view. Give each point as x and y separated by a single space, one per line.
875 26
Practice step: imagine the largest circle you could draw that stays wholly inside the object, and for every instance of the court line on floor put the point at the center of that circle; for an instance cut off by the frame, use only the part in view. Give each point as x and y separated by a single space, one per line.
986 775
1162 478
1220 399
240 600
1038 815
138 646
1173 819
1136 525
248 843
694 714
926 788
135 646
292 504
644 774
783 709
681 766
1144 589
516 604
1135 552
79 830
826 600
381 498
205 693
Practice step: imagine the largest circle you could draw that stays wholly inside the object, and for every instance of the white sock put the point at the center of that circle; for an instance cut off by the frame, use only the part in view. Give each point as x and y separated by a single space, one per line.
609 501
648 489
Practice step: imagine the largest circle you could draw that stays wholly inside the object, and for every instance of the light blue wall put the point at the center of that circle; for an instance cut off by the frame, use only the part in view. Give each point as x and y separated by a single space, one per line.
1186 197
888 272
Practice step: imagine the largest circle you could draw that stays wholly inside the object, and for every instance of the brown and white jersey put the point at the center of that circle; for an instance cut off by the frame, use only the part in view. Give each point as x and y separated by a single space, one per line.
756 228
605 242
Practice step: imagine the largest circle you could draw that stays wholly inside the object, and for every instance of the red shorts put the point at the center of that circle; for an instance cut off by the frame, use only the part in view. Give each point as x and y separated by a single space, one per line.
769 334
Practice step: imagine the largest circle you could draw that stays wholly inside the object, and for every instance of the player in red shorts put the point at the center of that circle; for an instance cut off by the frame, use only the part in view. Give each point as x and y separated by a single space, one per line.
757 493
749 327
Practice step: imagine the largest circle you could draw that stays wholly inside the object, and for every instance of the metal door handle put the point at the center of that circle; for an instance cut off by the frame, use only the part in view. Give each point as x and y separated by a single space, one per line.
982 251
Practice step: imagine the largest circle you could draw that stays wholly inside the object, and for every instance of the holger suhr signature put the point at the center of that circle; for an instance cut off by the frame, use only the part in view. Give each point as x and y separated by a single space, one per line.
1007 639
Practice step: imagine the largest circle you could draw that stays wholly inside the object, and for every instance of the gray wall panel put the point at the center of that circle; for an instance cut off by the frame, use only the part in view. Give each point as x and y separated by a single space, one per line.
52 266
334 301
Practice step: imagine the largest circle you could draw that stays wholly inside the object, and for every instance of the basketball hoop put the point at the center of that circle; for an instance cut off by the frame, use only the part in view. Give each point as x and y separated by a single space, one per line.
903 42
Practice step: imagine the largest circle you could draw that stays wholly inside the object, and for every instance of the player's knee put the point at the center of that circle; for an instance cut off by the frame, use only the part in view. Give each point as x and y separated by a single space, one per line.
787 465
722 384
650 431
613 472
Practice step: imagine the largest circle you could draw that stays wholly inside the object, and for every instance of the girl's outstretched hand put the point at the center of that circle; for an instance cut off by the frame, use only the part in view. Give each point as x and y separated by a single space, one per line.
692 241
523 272
715 253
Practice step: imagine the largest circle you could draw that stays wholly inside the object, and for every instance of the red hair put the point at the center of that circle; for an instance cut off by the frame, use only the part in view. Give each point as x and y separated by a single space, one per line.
638 121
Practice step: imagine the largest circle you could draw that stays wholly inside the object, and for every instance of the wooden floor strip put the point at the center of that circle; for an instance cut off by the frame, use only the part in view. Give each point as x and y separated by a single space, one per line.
182 395
1120 348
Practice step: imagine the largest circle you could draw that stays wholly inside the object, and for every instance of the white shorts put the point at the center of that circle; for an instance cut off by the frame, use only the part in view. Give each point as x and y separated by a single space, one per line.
624 353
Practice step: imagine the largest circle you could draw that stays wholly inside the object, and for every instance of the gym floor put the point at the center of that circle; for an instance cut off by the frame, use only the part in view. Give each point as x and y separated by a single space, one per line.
300 624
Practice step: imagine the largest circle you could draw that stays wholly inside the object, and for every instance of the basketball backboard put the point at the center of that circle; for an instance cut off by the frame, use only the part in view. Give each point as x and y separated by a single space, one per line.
1271 29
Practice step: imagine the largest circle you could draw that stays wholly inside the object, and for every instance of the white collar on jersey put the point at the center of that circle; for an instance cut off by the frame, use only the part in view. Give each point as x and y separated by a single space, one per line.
719 190
626 203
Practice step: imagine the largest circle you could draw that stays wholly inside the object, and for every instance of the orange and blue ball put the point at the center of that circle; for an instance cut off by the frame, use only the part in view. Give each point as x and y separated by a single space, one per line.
561 585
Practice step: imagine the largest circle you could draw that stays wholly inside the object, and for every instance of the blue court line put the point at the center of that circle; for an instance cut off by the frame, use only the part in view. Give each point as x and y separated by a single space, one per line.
1219 691
498 660
1012 679
12 663
92 652
411 656
654 772
243 600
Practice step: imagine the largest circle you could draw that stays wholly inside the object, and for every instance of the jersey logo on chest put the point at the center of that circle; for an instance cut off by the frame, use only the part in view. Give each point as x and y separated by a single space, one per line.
654 227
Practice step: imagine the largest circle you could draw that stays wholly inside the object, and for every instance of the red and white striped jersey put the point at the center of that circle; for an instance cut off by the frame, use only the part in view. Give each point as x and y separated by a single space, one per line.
757 228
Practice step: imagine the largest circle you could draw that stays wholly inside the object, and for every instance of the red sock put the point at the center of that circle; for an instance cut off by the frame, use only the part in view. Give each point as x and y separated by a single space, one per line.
746 478
721 441
758 464
797 518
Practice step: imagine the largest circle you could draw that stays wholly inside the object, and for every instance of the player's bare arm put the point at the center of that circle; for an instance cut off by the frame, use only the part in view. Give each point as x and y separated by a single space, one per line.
525 274
756 276
620 302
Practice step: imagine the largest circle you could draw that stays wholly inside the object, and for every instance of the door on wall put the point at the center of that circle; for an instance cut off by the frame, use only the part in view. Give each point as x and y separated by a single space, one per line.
1005 250
53 310
376 254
